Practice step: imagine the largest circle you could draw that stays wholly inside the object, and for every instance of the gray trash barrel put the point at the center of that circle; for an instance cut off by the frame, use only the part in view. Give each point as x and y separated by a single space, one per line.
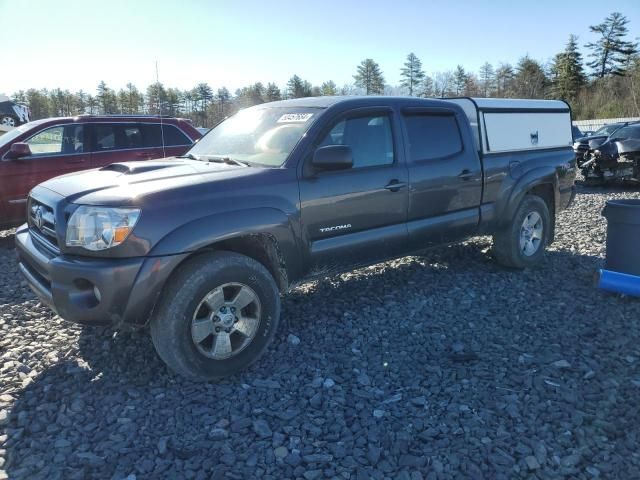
623 235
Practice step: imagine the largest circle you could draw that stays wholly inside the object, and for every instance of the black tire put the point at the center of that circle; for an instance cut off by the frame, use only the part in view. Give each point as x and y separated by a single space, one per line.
184 292
506 242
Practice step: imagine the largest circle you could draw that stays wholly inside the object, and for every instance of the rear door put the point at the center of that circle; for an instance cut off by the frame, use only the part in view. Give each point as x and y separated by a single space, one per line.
117 142
165 140
445 176
55 150
355 215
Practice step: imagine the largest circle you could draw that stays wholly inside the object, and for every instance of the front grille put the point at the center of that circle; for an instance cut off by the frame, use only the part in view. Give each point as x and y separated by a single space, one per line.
42 221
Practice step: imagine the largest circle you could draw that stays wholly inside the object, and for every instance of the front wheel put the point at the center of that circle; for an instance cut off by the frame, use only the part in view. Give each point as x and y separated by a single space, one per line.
217 315
7 121
522 242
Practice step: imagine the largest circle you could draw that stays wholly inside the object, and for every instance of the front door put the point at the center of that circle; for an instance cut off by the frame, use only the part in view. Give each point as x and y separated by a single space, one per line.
351 216
54 151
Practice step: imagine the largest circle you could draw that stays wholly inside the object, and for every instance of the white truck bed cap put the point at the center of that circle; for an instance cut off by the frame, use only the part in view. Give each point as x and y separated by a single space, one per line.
503 125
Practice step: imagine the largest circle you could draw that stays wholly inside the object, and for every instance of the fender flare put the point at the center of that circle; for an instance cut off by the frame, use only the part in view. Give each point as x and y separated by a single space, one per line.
546 175
201 233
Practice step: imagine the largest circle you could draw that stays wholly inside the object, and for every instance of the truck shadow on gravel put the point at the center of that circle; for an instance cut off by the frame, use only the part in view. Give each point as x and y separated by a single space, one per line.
372 381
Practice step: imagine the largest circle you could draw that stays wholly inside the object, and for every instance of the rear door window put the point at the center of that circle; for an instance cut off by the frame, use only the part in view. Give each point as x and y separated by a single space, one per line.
432 136
105 138
151 134
133 136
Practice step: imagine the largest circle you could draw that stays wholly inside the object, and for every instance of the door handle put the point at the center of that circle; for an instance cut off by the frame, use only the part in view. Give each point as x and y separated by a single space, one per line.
395 185
79 160
465 174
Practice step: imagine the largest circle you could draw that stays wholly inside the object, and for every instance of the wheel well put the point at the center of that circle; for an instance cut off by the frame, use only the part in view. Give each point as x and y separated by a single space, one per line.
262 248
546 192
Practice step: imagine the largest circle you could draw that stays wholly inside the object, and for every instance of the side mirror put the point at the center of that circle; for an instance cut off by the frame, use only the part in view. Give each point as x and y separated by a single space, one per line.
18 150
333 157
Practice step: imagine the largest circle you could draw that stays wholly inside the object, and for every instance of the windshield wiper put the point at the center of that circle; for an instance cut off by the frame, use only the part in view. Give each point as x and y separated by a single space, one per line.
227 160
190 156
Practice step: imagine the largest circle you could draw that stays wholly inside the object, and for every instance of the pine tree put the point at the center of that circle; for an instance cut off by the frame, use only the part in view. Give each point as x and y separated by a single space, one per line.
460 79
157 99
134 98
567 72
427 88
412 73
487 79
257 93
298 88
223 97
369 77
106 99
273 93
504 80
204 95
81 101
329 88
530 80
611 51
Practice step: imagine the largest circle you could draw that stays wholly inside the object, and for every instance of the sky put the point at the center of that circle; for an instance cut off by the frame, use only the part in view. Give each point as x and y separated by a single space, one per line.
73 44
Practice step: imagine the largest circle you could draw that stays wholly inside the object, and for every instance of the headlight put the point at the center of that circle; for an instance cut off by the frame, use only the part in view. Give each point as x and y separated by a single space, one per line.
98 228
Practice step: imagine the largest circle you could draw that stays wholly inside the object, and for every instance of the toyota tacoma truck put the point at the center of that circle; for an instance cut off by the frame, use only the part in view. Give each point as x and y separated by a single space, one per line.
200 247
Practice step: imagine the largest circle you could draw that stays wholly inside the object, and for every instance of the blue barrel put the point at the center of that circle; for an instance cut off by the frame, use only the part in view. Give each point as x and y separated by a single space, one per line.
618 282
623 235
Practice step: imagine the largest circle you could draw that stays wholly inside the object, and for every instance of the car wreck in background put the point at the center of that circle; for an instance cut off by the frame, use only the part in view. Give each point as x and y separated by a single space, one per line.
616 158
585 143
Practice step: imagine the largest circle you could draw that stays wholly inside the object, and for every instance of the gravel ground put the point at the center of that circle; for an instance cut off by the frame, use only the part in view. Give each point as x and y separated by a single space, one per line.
435 366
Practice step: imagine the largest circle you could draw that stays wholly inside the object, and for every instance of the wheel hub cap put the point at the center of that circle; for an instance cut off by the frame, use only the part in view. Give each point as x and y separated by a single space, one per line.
531 234
226 321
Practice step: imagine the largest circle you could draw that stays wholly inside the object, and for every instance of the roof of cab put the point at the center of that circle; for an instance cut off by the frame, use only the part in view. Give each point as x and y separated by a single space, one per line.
515 103
482 103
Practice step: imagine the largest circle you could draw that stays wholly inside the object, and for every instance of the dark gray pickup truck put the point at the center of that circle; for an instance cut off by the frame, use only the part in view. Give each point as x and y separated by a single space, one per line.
201 246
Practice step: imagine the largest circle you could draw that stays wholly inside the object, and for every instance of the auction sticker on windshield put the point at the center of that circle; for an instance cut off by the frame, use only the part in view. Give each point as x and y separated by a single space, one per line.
295 117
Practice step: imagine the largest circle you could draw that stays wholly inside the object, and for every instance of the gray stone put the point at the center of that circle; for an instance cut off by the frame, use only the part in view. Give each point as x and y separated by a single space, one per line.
561 364
262 429
532 462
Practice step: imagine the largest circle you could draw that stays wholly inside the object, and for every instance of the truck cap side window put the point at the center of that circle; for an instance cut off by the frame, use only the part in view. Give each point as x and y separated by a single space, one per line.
369 137
432 136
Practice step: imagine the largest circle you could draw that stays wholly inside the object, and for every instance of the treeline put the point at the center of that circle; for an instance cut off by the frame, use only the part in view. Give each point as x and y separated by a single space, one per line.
605 86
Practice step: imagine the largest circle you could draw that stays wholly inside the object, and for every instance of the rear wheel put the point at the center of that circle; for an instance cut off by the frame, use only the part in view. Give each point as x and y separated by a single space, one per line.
217 315
522 242
8 121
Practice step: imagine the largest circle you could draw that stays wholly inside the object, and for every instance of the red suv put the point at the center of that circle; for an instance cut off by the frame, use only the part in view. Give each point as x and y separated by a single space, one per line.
39 150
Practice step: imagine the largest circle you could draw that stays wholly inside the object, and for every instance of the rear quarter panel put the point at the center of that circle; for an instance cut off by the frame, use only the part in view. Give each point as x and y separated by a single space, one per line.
509 176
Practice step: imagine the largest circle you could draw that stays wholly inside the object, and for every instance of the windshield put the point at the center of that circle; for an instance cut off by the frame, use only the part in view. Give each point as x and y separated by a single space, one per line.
261 136
626 133
607 130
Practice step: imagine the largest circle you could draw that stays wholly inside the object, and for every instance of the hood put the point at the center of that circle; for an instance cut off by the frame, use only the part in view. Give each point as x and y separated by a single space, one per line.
595 142
124 183
585 140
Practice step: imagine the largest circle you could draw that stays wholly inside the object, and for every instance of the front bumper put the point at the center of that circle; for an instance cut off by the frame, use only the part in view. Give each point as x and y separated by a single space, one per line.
93 291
